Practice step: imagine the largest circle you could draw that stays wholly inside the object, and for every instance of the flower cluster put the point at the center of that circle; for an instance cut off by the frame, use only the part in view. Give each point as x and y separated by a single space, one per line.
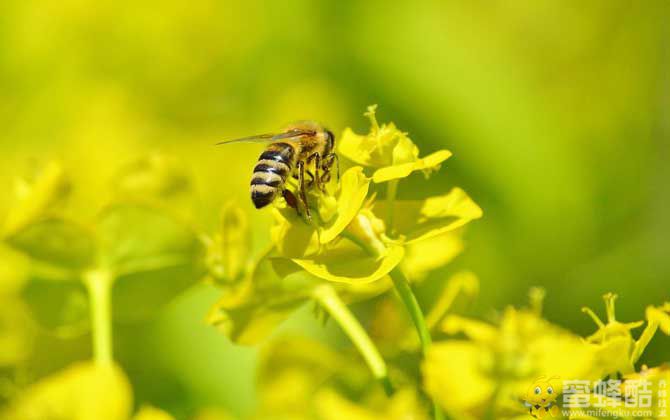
357 239
362 241
487 367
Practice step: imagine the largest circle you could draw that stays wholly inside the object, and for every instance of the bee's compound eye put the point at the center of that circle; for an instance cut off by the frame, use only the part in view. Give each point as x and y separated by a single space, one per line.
331 139
550 390
538 390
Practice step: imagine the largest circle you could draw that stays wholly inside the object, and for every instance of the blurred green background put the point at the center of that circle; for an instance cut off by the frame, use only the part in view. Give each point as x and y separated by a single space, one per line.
558 114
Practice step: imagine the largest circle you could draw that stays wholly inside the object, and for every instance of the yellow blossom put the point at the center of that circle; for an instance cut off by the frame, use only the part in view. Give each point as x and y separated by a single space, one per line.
390 151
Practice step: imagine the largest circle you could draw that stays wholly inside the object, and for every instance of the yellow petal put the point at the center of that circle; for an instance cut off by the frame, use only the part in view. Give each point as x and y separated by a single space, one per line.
332 406
661 317
454 377
473 329
292 236
422 257
352 265
355 147
419 220
152 413
462 283
353 190
383 146
426 164
83 391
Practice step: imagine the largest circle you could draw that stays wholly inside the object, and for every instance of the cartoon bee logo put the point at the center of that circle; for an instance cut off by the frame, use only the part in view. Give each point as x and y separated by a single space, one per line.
540 398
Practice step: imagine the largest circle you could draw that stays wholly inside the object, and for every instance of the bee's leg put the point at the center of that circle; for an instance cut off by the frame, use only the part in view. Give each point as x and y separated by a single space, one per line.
328 162
301 188
307 172
317 166
312 179
291 200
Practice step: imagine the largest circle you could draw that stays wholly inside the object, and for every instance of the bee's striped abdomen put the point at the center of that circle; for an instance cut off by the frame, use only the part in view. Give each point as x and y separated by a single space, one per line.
270 173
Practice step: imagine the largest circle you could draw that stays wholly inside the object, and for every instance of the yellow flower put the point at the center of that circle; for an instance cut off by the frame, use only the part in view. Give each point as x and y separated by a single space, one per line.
615 338
152 413
495 365
418 220
83 391
497 362
390 151
299 378
349 242
295 238
404 405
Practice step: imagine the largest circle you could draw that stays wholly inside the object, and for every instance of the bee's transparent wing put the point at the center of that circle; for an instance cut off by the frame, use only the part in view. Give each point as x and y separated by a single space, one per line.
270 137
259 138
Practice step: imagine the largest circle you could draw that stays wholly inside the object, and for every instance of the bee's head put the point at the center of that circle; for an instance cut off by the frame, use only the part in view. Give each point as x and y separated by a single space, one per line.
330 139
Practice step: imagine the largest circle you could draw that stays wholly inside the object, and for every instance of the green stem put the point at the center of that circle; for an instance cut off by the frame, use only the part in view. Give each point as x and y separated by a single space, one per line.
412 305
409 300
99 285
391 193
331 302
643 341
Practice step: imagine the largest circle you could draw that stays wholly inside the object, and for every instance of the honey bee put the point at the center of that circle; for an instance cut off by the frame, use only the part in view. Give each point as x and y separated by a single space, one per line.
291 153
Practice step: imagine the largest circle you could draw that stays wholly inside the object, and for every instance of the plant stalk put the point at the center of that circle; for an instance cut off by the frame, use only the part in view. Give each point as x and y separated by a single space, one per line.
412 305
391 193
99 286
331 302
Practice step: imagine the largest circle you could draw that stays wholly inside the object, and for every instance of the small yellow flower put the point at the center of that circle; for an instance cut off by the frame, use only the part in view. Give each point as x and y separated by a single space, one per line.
152 413
83 391
504 358
615 339
388 150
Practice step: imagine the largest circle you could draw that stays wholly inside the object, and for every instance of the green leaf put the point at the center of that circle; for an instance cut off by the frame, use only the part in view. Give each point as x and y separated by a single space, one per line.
251 312
60 307
419 220
140 295
153 257
350 264
155 175
136 238
56 241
